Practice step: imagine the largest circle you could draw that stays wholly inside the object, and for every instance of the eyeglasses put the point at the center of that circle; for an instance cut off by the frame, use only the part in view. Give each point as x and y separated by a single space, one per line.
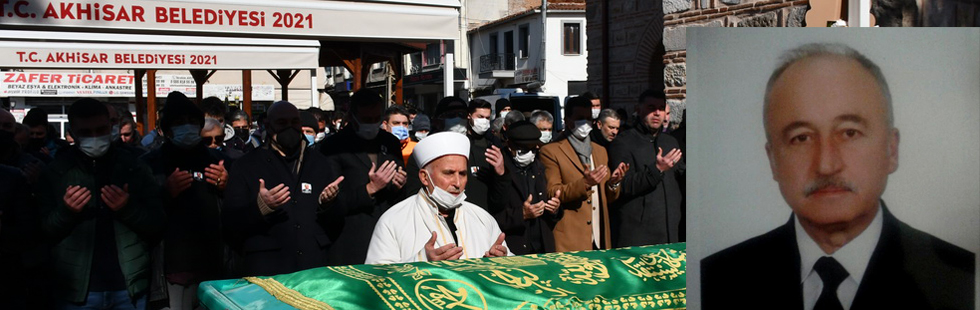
216 140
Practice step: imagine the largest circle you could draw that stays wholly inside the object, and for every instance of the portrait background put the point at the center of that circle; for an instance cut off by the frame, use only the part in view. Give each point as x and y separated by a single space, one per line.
934 77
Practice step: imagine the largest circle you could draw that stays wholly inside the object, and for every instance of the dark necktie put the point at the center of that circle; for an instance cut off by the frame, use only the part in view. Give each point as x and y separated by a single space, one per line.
832 274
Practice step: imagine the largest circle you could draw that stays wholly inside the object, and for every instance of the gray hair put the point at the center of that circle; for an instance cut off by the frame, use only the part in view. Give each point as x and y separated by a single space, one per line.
827 49
210 124
513 117
539 115
608 113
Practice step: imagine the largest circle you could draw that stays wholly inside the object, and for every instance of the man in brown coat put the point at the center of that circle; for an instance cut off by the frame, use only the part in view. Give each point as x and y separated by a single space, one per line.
577 167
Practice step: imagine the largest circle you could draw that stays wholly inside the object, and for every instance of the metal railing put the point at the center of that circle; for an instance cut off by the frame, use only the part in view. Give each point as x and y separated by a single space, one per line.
496 61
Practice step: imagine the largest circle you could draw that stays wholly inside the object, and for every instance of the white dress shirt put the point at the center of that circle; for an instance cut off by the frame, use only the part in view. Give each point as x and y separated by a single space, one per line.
854 256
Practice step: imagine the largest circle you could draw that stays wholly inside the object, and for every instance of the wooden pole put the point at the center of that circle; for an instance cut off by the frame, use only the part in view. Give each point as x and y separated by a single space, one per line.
140 103
247 92
151 100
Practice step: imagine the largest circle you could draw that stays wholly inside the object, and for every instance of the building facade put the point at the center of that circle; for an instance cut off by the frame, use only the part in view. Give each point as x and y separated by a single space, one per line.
532 49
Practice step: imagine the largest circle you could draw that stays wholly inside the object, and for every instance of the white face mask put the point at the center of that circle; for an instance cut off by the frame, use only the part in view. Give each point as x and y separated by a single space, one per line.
595 113
545 136
456 125
480 125
186 136
421 135
582 129
443 199
367 131
95 147
524 159
504 114
319 136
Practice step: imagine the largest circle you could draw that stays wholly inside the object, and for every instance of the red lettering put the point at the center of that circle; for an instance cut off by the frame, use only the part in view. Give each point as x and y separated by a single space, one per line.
3 7
210 16
196 16
21 78
161 15
255 18
107 12
50 11
66 10
183 17
8 77
230 15
242 15
174 12
83 11
17 10
123 16
137 13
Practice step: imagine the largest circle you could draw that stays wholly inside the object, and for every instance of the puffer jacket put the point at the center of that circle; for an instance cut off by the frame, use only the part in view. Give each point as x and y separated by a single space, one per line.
136 225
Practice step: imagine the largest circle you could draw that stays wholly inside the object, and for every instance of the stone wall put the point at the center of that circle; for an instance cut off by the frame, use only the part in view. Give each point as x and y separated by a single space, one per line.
634 49
681 14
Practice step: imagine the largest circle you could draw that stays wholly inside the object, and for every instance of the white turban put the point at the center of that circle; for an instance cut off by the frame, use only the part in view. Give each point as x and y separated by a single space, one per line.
439 145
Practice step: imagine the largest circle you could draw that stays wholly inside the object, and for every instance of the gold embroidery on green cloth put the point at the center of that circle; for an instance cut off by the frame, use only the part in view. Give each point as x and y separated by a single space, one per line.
662 265
650 277
288 296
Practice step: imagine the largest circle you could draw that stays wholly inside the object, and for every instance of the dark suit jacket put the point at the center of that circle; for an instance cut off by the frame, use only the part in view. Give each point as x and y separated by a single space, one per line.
289 239
909 269
351 223
650 207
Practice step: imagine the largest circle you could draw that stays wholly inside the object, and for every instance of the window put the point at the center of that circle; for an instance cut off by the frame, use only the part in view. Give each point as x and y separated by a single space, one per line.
509 50
493 44
572 39
433 54
524 41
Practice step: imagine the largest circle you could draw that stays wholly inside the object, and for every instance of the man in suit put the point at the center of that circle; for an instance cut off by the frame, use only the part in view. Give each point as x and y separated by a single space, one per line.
576 166
650 207
371 161
276 199
831 146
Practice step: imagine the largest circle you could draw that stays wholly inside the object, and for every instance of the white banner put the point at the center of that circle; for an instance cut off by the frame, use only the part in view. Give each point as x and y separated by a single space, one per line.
320 19
24 54
48 84
40 84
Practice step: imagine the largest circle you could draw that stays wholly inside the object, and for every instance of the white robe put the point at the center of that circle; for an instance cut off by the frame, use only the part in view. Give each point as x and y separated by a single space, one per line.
403 230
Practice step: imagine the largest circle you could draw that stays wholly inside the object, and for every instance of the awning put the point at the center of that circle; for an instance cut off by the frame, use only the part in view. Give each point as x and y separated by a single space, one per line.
401 20
62 50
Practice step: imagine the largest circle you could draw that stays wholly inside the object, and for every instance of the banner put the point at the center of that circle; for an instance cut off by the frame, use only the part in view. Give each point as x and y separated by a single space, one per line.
63 55
320 19
649 277
41 84
54 84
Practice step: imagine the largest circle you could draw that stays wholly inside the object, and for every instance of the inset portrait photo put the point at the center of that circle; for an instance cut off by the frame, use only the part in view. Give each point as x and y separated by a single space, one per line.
833 168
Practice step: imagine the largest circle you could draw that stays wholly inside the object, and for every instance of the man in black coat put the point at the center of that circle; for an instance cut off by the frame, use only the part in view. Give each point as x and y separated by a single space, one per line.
371 161
650 206
276 196
831 144
488 182
530 214
192 178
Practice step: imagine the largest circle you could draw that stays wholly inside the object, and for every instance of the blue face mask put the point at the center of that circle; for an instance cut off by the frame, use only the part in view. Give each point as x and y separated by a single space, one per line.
186 136
400 132
310 139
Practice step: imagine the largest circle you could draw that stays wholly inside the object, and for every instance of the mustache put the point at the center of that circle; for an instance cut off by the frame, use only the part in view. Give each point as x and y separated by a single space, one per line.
825 182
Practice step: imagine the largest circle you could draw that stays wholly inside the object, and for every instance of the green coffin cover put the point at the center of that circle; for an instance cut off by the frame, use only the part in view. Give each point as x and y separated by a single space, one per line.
648 277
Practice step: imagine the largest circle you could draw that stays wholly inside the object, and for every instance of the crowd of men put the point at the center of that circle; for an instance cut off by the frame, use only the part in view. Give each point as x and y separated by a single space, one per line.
112 220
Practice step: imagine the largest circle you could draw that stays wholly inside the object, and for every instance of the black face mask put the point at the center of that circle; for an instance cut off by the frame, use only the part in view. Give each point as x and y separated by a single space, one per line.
289 139
241 133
